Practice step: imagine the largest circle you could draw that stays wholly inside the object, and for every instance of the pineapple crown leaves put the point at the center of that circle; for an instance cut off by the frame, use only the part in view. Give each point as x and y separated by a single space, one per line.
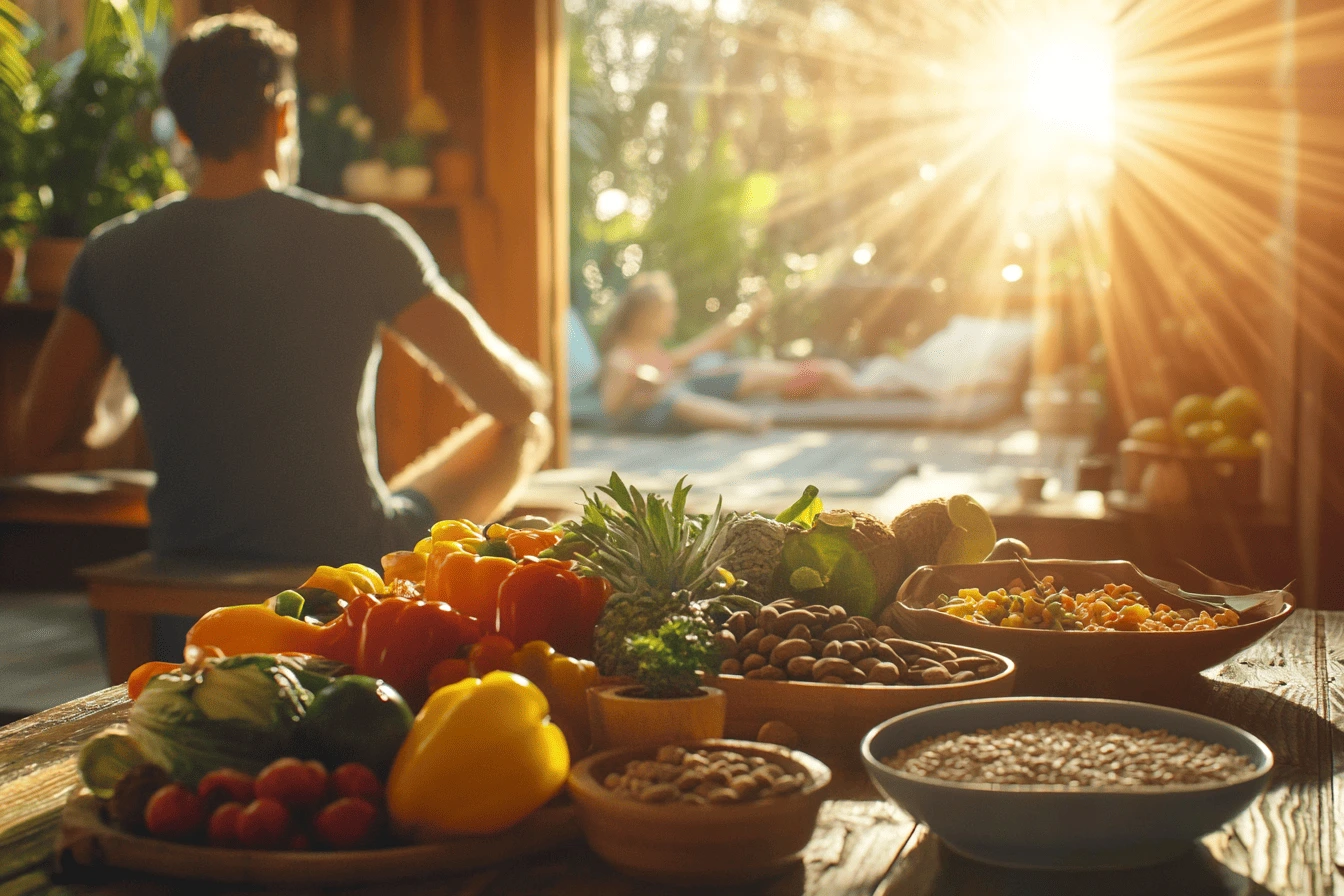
640 542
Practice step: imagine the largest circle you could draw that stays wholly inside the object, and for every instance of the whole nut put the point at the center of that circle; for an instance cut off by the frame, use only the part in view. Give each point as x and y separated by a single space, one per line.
767 618
866 625
800 667
753 662
831 649
884 632
739 623
854 675
730 667
748 642
853 650
659 793
768 673
968 675
818 646
722 795
690 779
768 643
867 664
788 620
726 641
936 675
773 733
831 679
884 673
945 653
845 631
785 604
819 610
885 653
800 631
831 665
904 647
787 650
837 613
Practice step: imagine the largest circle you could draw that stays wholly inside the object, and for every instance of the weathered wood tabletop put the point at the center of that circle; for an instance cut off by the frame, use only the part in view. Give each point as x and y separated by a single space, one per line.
1290 842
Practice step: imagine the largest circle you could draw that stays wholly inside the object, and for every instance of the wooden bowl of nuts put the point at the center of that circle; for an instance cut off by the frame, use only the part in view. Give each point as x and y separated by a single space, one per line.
706 812
831 676
1065 783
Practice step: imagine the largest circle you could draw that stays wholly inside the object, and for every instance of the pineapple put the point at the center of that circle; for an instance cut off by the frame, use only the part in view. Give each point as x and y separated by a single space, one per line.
661 563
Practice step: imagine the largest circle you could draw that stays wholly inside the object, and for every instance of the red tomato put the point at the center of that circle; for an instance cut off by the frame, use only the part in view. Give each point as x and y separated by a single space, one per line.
223 828
353 779
346 823
225 785
293 782
264 824
174 812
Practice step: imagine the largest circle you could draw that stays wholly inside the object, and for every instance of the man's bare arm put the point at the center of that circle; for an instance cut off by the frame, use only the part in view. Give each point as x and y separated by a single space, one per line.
58 405
450 336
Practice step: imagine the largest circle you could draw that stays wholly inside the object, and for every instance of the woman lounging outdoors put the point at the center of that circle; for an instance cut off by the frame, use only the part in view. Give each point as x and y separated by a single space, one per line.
647 387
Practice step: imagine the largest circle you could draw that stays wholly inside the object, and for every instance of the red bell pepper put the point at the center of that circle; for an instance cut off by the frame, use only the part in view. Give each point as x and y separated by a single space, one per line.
546 600
402 640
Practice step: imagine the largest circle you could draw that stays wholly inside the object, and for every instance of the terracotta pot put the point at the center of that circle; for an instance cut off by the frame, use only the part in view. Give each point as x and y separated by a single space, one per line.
455 171
11 268
620 718
49 261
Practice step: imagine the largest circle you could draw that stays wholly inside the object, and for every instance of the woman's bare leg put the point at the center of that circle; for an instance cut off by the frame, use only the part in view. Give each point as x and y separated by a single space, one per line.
477 472
835 379
704 412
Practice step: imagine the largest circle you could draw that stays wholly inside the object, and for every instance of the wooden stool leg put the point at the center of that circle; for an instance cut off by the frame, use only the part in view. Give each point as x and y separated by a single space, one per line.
130 643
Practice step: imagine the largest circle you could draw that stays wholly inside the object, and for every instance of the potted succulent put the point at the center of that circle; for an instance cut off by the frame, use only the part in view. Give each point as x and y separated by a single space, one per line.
411 178
666 703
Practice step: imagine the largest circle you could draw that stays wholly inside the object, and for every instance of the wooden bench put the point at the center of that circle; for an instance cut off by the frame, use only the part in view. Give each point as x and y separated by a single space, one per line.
132 590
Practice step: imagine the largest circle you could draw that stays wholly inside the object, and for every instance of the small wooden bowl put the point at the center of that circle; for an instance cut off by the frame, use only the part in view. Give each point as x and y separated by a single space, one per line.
674 842
831 719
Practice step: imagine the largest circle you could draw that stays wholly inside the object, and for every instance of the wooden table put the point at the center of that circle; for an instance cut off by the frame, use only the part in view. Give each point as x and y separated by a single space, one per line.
1289 842
132 590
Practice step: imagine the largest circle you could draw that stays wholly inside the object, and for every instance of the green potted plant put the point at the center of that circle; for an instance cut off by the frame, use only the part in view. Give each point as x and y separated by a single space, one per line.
411 178
18 204
667 703
91 148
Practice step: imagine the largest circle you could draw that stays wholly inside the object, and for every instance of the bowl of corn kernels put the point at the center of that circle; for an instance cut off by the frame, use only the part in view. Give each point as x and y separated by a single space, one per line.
1084 628
1065 783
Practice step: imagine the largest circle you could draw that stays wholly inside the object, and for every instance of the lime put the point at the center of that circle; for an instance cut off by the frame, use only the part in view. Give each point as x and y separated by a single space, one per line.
1151 429
1240 411
356 719
1232 446
1190 409
1204 432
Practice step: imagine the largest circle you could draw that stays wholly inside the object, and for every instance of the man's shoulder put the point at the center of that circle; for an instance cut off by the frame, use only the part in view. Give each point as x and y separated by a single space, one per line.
357 213
127 226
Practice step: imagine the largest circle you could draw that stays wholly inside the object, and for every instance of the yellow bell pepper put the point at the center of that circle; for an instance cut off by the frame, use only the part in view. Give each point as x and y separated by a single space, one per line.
454 530
347 582
481 756
565 682
256 628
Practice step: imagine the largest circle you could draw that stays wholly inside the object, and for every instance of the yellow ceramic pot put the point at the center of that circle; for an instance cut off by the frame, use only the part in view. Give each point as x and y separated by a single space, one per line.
619 717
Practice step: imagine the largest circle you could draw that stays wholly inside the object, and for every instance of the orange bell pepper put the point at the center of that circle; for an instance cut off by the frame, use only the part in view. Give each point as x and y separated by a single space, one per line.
346 582
466 581
546 600
409 566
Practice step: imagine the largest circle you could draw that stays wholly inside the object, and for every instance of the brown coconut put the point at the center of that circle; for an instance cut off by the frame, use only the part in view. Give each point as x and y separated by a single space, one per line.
920 531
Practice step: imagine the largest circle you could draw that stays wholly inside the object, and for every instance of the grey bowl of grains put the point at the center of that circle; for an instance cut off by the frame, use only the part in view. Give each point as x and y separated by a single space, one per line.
1044 782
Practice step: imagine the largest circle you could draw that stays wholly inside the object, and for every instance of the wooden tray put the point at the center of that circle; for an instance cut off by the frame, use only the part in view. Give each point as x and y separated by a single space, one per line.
86 839
831 719
1131 665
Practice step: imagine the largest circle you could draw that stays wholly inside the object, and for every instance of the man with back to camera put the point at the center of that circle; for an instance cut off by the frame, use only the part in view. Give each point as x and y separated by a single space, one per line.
247 314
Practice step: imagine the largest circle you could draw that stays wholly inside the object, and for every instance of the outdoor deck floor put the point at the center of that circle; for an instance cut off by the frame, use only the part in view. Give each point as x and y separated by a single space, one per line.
883 471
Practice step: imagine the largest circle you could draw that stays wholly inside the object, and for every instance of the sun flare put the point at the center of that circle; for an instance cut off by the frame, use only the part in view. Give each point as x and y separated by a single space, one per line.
1069 87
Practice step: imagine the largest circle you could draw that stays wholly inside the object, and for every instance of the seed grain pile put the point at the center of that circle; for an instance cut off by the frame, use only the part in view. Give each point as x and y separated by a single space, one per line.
1071 754
702 777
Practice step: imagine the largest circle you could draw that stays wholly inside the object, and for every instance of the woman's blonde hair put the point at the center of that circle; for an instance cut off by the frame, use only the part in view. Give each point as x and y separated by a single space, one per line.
641 292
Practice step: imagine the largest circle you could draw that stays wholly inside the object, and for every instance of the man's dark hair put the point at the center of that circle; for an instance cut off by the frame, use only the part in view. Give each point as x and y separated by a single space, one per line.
222 78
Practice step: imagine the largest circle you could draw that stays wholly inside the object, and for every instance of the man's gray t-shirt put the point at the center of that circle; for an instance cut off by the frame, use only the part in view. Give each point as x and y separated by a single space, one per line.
248 327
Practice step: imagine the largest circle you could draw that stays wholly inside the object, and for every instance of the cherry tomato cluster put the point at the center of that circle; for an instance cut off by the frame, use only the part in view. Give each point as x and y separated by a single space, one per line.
291 804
